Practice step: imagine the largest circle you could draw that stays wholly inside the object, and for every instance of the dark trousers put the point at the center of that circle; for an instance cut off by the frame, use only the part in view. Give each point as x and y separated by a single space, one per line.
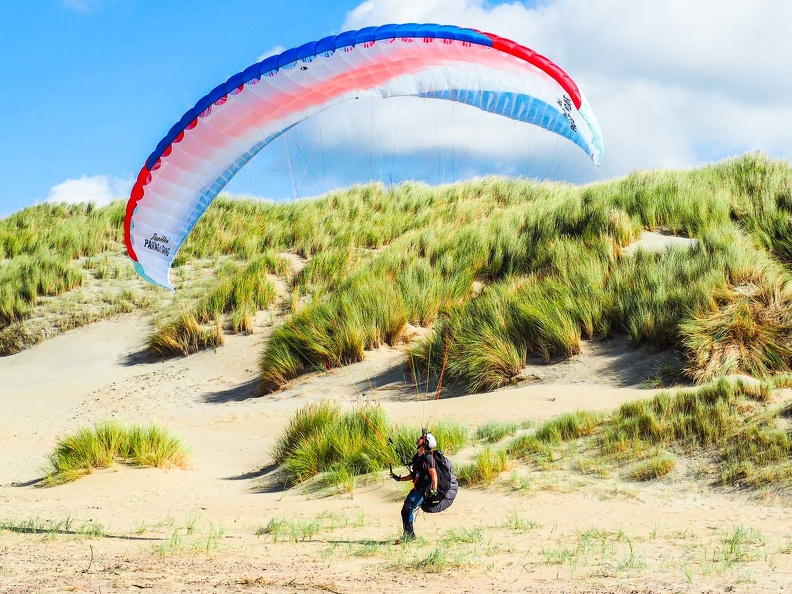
411 504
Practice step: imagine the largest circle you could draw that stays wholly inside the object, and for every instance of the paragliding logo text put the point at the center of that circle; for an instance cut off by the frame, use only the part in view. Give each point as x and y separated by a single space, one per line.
156 243
566 109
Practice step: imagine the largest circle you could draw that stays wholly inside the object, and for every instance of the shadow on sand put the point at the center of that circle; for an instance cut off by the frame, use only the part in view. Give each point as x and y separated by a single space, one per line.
30 483
56 530
144 356
239 393
267 479
254 474
364 542
398 384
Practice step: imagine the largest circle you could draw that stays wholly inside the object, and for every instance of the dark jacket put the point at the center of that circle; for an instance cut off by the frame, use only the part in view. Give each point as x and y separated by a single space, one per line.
419 470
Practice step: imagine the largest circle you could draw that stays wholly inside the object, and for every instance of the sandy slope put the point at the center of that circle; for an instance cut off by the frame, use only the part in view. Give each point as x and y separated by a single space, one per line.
195 530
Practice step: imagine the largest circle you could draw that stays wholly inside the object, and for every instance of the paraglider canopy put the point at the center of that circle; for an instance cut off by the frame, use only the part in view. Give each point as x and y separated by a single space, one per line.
237 119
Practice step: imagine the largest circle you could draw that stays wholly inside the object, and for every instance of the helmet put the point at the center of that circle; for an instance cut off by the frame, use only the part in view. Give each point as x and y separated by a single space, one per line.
428 441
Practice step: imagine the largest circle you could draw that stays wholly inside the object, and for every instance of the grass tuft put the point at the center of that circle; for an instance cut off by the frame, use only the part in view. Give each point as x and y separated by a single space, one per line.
88 449
652 468
322 440
750 333
184 335
495 431
487 467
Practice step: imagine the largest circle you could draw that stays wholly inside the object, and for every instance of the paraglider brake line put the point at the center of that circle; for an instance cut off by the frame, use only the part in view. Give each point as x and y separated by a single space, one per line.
398 455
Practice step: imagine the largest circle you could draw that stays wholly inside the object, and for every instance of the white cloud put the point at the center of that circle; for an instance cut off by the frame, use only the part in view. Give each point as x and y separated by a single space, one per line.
278 49
84 5
673 83
99 189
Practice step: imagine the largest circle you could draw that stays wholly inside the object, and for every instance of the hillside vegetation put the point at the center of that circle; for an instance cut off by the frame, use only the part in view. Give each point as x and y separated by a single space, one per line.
501 270
738 435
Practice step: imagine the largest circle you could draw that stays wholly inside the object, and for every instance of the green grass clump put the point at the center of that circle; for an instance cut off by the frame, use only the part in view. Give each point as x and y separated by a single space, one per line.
305 529
52 529
651 293
243 290
487 467
735 423
310 420
569 426
517 523
494 431
184 335
750 332
73 230
326 271
567 281
80 453
692 418
285 530
757 455
336 332
527 447
25 279
451 435
652 468
153 446
727 418
47 252
543 442
739 545
237 294
485 342
321 439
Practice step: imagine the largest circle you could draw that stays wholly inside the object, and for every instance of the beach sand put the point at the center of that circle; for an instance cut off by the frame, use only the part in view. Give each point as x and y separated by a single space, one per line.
127 529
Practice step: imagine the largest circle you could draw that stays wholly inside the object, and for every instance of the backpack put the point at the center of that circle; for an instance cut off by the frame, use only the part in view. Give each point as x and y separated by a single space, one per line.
447 485
446 478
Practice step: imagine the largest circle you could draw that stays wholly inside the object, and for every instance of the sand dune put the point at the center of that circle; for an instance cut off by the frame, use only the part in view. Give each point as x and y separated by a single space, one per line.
196 529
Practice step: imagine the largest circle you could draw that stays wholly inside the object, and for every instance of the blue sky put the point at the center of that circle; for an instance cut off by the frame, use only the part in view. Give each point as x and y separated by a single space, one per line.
90 86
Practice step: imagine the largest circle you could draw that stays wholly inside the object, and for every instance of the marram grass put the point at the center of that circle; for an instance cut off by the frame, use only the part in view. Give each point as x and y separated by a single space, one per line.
729 421
495 431
184 335
99 447
323 440
306 422
546 439
652 468
733 424
487 467
502 271
25 279
748 332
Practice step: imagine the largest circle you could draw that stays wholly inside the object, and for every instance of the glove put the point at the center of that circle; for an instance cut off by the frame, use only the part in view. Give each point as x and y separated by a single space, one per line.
434 496
395 476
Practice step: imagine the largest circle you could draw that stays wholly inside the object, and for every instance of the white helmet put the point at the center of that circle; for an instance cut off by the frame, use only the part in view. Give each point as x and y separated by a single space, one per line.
431 441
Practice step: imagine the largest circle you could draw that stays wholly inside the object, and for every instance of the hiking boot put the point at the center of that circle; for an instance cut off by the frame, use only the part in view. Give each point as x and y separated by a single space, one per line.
406 537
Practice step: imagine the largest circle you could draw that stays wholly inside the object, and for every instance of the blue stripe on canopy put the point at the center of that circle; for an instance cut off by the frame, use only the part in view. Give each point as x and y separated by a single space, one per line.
308 51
